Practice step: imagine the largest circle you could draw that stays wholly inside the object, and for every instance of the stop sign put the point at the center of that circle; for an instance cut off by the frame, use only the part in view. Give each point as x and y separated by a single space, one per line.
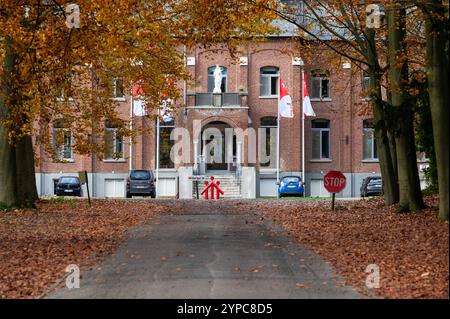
334 182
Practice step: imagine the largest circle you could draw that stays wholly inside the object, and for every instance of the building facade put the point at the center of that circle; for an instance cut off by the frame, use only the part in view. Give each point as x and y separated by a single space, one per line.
340 136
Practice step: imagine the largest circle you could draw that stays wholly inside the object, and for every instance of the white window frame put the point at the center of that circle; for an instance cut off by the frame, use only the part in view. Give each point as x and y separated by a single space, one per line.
367 130
365 85
61 149
321 79
117 97
269 77
114 145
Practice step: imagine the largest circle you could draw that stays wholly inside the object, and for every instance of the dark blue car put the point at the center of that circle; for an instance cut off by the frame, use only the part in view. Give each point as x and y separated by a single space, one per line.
291 186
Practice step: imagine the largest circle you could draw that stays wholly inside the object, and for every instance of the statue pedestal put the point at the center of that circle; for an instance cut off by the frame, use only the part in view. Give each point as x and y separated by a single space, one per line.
217 99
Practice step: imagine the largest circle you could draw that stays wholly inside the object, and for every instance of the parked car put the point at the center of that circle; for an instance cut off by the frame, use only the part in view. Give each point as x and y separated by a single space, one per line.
141 183
372 186
291 186
69 186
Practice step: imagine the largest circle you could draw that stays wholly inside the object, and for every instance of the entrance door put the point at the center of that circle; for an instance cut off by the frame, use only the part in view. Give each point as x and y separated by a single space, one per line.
215 148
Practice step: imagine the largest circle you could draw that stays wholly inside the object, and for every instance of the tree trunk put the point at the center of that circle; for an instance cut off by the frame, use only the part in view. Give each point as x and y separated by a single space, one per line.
408 173
393 150
26 174
390 185
387 168
437 65
8 191
17 173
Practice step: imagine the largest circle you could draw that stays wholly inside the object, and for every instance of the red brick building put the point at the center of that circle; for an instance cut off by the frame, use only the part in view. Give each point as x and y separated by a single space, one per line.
338 138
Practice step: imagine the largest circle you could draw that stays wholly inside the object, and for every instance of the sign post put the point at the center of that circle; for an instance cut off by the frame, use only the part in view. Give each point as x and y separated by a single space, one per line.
197 180
83 176
334 182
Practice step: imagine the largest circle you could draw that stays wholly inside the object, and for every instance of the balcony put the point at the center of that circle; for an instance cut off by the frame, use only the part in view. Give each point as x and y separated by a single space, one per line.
217 100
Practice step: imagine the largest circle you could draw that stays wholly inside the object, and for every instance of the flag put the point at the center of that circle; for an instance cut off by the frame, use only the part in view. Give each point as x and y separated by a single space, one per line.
285 104
166 109
307 106
138 99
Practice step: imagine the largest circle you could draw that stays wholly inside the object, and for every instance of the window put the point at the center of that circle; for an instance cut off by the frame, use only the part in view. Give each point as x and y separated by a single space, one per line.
370 151
166 145
211 80
114 149
321 139
118 89
269 81
62 141
320 85
365 84
268 135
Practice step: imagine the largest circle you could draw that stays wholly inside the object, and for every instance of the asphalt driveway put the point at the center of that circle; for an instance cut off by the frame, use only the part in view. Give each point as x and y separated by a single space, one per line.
209 251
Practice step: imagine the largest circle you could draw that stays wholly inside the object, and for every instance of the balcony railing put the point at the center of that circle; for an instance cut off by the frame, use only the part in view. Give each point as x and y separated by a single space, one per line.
229 100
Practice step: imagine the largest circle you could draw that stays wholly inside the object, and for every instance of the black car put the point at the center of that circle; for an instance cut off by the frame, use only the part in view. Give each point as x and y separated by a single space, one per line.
141 183
372 186
69 186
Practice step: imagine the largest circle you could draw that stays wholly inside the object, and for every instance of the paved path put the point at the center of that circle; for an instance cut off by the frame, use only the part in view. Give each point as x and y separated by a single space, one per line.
210 253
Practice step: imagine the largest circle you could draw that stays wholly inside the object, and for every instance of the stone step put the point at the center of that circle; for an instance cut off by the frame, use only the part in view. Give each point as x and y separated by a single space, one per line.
230 184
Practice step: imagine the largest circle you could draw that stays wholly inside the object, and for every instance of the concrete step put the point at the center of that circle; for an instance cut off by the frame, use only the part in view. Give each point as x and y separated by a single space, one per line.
230 184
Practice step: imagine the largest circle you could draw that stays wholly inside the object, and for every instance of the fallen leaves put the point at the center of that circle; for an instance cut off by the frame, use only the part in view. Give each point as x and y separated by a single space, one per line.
411 249
37 245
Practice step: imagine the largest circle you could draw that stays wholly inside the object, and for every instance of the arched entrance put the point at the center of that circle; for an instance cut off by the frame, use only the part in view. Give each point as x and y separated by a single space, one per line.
218 147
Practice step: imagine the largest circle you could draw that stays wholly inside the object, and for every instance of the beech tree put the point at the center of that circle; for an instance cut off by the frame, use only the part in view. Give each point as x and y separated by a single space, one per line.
408 175
437 24
387 50
58 61
341 27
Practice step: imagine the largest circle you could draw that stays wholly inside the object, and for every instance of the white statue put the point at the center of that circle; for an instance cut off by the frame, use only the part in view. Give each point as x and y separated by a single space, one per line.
218 79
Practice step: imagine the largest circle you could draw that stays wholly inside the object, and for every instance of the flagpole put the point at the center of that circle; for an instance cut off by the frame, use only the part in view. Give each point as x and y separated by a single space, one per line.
131 129
157 152
278 139
303 131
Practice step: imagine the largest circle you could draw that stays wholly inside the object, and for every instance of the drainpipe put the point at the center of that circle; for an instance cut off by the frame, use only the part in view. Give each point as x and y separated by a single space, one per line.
131 130
351 133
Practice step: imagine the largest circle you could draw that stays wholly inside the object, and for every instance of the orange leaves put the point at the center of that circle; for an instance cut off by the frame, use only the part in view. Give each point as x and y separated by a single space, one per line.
51 58
410 249
36 246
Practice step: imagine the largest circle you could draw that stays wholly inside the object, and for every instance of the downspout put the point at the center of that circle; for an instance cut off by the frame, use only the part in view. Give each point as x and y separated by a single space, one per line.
351 132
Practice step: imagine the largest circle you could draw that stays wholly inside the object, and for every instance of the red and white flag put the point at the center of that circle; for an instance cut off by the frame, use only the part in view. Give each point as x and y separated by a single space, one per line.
138 99
285 104
307 106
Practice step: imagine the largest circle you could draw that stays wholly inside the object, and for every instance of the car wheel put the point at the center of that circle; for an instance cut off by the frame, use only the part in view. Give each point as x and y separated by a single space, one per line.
129 195
153 195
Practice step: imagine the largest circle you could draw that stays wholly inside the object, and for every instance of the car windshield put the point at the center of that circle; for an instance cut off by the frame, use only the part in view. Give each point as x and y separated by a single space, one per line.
375 182
140 175
291 180
68 180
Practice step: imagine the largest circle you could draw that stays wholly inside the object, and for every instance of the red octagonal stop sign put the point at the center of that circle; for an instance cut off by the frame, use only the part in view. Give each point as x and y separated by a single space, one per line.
334 182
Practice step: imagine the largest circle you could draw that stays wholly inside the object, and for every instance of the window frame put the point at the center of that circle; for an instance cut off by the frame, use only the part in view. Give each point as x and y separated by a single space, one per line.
60 150
166 126
211 79
115 140
365 85
268 129
270 78
373 142
320 76
115 96
321 132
